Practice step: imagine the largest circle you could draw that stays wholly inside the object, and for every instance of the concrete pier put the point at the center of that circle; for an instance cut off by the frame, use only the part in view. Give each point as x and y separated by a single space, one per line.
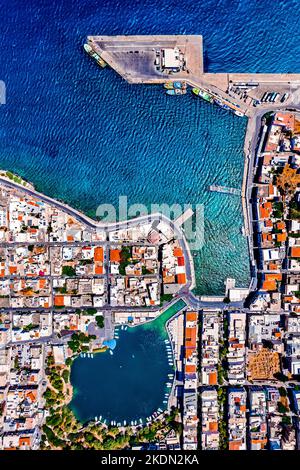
143 59
136 58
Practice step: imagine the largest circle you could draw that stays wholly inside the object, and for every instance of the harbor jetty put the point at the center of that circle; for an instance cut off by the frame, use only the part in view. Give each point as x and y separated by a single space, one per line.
160 59
225 189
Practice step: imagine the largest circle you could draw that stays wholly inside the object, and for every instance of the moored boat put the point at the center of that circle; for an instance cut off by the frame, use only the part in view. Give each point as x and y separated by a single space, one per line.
176 91
203 94
221 104
89 50
169 85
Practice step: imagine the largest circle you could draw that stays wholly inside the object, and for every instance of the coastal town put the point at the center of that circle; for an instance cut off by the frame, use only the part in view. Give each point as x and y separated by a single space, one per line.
69 284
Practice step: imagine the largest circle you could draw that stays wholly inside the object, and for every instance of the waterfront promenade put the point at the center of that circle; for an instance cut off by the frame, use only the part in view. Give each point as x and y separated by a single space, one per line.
117 225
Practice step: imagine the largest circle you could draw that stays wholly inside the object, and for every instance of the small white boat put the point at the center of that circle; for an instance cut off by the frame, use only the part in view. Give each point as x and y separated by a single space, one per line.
96 418
165 401
131 423
92 355
112 423
124 422
111 352
141 421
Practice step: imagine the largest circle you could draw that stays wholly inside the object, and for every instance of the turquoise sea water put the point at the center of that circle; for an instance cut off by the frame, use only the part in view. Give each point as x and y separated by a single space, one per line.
131 383
83 135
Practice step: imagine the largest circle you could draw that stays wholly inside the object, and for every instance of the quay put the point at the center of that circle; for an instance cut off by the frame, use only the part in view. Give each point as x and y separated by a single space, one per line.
158 59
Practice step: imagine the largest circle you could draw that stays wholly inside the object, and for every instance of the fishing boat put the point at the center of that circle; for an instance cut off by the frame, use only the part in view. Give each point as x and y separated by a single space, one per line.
90 51
171 92
111 352
180 91
203 94
169 85
178 85
221 104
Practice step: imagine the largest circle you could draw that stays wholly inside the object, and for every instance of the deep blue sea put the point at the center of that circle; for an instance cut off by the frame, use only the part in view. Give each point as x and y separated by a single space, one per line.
83 135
